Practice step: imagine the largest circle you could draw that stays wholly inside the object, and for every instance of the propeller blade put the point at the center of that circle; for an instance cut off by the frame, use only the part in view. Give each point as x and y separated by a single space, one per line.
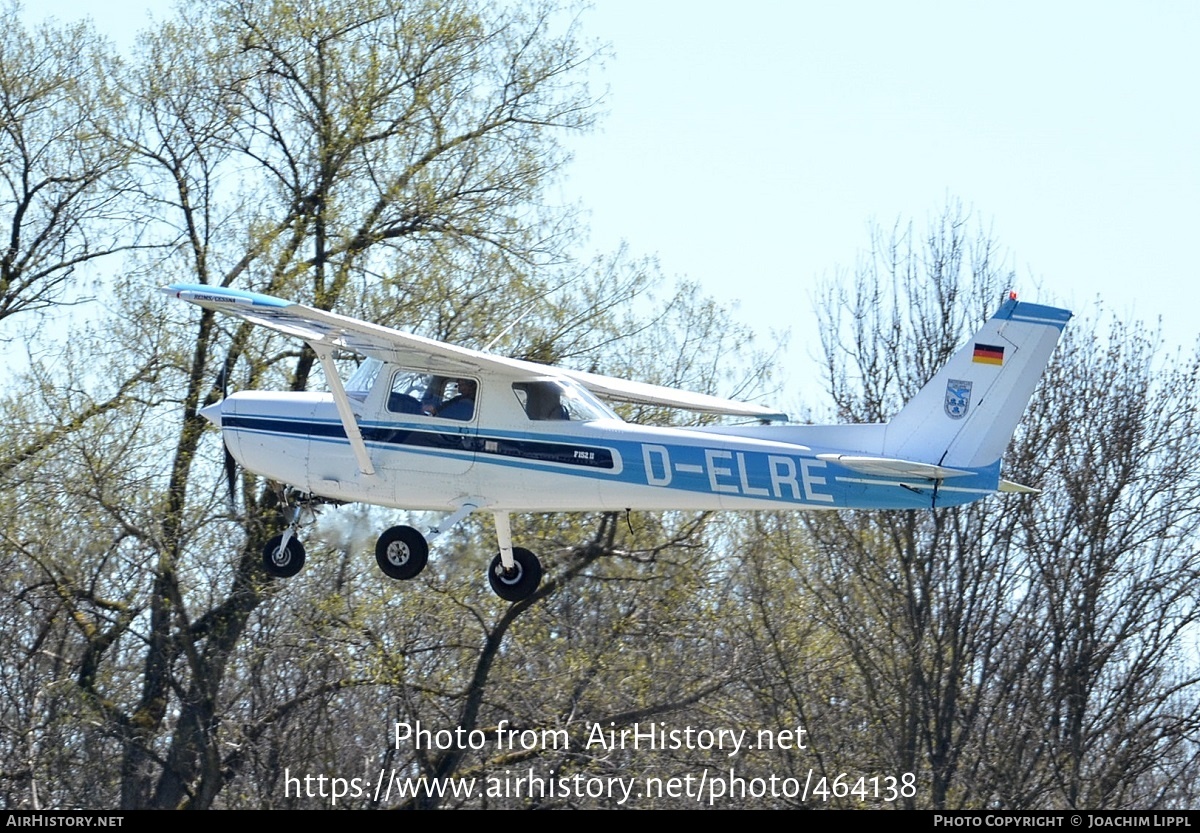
230 463
231 480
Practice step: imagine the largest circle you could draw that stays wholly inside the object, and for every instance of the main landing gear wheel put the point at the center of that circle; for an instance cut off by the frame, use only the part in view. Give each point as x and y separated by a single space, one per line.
280 561
519 582
401 552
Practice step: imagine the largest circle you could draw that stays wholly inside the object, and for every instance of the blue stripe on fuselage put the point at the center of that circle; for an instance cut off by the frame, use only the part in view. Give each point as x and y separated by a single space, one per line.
425 440
787 479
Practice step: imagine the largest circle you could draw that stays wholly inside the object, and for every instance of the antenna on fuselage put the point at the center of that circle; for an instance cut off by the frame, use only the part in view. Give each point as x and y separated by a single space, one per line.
505 331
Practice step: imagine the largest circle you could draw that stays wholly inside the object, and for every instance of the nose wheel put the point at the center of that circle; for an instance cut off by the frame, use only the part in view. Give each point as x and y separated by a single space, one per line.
519 581
283 559
283 556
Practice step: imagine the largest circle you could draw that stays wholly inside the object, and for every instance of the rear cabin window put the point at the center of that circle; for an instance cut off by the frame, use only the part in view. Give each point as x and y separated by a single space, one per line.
550 399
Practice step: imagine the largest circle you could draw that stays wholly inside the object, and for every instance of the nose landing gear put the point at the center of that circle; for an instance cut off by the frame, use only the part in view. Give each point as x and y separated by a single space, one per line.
283 556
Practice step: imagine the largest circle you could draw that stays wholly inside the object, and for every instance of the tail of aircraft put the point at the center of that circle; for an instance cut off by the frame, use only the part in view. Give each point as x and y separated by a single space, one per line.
965 416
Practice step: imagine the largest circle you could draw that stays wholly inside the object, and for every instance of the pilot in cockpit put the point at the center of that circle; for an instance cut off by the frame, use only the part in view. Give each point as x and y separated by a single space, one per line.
461 405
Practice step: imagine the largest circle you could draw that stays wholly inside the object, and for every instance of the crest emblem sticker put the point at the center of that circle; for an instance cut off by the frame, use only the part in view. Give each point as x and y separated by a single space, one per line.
958 398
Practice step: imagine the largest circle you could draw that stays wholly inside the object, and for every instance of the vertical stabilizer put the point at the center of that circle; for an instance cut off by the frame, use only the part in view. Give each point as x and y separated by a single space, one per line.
966 415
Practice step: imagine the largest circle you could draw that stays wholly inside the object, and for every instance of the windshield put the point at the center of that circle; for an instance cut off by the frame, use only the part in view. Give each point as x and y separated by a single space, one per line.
363 379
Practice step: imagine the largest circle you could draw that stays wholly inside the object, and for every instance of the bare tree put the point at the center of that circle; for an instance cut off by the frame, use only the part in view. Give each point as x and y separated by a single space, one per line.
1112 558
385 159
61 179
1026 652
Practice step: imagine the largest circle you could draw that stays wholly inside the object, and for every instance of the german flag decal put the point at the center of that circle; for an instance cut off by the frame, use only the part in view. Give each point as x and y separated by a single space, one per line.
988 354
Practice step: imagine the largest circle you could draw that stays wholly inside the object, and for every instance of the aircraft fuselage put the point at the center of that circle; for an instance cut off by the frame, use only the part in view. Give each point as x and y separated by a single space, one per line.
601 464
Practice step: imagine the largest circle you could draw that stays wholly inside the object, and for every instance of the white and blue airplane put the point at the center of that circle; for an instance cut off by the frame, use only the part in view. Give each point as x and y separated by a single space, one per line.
424 425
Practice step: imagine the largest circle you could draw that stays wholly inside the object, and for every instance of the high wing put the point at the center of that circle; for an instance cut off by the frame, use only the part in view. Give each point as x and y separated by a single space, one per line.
326 330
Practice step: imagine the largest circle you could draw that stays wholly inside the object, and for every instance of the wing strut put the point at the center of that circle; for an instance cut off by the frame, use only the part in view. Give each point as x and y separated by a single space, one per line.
353 434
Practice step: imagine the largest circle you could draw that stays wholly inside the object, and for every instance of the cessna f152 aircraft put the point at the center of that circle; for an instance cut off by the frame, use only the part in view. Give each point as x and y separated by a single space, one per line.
425 425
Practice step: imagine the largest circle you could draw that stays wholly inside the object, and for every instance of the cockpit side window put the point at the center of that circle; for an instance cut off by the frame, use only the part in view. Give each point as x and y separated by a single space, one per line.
407 390
424 394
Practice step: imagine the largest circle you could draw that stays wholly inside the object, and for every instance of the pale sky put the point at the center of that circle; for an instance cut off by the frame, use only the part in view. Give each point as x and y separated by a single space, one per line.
750 145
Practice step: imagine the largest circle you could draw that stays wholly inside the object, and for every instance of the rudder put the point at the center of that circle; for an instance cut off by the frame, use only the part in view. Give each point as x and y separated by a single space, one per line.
966 415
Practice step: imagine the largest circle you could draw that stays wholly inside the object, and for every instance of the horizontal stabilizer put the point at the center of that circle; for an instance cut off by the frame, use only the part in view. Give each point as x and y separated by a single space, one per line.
1009 486
890 467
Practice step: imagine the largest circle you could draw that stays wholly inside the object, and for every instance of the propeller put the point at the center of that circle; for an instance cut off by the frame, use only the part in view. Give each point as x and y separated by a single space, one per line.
230 463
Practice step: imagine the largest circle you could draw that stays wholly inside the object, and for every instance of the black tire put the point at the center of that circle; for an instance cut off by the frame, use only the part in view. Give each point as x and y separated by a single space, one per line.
283 563
519 584
402 552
